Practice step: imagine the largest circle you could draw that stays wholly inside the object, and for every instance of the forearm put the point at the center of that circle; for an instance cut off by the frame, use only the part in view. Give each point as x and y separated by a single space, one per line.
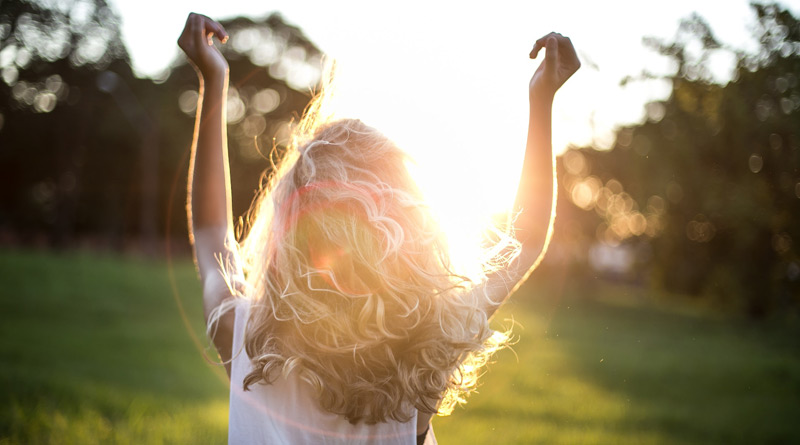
209 176
209 196
535 197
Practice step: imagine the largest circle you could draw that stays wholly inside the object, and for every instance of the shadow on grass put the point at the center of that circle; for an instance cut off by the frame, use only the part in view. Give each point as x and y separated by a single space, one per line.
690 378
608 365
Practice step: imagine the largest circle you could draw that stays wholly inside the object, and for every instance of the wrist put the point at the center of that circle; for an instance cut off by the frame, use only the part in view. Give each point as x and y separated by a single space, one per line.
539 92
216 79
541 100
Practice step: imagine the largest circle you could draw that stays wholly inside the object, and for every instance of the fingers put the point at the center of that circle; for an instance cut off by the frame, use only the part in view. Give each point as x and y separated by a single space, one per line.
542 43
537 46
535 50
213 27
203 27
551 55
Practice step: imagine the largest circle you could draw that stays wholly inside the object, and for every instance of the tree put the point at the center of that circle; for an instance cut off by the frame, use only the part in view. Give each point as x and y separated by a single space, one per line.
90 152
708 186
52 116
273 69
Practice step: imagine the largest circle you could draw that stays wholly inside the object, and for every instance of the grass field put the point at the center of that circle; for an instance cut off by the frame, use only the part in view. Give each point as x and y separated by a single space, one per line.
93 350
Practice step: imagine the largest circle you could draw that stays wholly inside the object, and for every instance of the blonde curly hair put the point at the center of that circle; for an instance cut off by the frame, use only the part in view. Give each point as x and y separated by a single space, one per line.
351 284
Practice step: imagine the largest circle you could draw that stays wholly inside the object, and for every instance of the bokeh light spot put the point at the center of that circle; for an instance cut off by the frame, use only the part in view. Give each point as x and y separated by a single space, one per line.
575 163
253 125
700 229
624 137
8 55
245 40
655 111
614 186
756 163
775 141
236 108
264 54
187 101
787 105
10 75
45 102
266 100
54 84
637 223
23 58
584 193
656 204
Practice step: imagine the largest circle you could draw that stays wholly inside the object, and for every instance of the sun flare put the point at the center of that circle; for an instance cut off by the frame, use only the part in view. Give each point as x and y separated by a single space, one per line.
467 173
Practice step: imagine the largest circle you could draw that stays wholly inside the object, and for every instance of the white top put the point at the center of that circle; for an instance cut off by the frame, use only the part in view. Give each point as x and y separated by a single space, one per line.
286 412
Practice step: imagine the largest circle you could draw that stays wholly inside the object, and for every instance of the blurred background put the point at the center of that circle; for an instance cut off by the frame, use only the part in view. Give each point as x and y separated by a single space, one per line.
666 310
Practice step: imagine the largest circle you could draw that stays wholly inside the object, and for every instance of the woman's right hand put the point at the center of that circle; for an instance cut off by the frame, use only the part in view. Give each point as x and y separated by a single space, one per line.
559 64
196 41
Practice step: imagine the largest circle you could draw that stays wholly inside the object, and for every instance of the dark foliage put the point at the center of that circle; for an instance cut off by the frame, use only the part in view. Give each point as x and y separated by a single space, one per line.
706 193
90 153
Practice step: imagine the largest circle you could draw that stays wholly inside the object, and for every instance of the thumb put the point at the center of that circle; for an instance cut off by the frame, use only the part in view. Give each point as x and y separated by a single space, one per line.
551 56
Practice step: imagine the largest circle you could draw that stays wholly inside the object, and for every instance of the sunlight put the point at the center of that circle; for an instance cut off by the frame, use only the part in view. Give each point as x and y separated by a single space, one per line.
467 170
454 97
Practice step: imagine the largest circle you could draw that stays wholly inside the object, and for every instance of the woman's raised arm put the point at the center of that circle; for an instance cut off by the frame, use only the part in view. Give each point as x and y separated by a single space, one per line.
209 196
535 196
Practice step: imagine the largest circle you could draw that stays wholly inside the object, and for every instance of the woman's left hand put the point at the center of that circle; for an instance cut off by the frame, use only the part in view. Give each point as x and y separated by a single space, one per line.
196 42
559 64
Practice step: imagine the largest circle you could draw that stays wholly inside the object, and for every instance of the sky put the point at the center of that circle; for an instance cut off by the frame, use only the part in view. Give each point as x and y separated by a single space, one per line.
448 80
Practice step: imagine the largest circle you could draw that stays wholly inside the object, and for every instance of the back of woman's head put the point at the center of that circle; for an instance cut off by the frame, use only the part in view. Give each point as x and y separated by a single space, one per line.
352 285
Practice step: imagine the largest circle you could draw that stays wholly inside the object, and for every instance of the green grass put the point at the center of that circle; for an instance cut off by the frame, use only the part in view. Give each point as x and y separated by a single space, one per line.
93 350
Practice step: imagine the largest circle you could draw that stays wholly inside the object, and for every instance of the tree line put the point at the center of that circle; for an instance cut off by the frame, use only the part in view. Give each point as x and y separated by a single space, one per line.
91 154
702 198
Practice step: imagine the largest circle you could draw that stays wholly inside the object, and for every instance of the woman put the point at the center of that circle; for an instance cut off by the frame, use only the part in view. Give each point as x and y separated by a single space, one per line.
338 316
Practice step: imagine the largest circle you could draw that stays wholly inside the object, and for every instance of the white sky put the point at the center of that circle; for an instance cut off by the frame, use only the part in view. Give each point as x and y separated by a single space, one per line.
448 79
